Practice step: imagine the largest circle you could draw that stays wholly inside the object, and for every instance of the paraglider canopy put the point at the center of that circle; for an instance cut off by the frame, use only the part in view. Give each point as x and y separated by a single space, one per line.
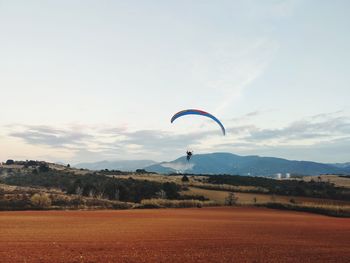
198 112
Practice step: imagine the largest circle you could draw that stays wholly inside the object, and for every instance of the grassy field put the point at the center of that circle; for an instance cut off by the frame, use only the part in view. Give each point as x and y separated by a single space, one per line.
250 195
315 205
248 198
199 190
335 179
195 181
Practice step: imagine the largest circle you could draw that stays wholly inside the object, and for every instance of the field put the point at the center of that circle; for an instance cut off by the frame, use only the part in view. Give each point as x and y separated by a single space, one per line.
337 180
248 198
173 235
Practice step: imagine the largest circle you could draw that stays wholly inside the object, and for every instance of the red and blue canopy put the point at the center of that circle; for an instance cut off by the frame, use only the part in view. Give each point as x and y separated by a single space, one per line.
198 112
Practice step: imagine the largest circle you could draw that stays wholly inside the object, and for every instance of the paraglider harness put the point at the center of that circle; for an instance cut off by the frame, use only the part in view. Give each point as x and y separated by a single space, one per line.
189 155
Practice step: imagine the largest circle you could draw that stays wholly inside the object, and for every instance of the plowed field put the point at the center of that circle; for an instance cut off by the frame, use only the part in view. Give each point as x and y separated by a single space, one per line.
173 235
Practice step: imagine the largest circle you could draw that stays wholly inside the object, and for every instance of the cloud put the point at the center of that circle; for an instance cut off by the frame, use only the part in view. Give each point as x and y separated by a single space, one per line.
327 115
109 143
328 151
161 139
326 132
325 126
245 117
49 136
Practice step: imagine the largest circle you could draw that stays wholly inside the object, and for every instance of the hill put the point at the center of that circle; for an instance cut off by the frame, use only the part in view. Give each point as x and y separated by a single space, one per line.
344 166
28 185
228 163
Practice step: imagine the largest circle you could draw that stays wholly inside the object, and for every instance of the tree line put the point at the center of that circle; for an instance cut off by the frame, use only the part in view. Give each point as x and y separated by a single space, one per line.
314 188
95 185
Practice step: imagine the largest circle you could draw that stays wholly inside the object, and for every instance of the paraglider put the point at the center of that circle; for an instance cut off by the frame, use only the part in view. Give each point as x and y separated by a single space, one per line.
201 113
198 112
189 155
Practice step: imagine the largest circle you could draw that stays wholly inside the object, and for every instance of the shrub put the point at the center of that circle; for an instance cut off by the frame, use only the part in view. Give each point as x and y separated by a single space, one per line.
159 203
147 205
77 202
185 179
171 190
193 197
8 205
121 205
44 168
231 199
59 200
40 200
32 163
10 162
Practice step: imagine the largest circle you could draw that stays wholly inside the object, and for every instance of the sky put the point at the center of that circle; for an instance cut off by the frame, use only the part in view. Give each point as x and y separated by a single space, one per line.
85 81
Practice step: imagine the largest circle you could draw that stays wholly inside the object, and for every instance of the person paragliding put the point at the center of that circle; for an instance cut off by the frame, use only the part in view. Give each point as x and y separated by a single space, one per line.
189 155
200 113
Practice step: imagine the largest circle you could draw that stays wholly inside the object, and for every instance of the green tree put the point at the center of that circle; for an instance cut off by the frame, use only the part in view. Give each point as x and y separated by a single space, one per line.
10 162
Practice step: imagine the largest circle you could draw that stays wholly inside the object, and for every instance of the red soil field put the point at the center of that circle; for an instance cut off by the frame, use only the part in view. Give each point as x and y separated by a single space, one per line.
173 235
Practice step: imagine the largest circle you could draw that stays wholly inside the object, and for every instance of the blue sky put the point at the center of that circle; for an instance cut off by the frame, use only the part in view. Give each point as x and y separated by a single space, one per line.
89 80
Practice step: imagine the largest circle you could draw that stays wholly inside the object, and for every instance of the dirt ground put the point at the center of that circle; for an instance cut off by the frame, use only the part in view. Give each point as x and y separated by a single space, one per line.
173 235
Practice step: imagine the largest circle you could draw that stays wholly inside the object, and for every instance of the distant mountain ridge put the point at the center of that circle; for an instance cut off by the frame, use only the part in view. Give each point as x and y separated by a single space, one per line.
342 165
122 165
228 163
224 163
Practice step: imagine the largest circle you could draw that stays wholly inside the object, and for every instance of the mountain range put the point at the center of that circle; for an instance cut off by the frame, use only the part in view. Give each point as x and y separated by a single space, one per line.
226 163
